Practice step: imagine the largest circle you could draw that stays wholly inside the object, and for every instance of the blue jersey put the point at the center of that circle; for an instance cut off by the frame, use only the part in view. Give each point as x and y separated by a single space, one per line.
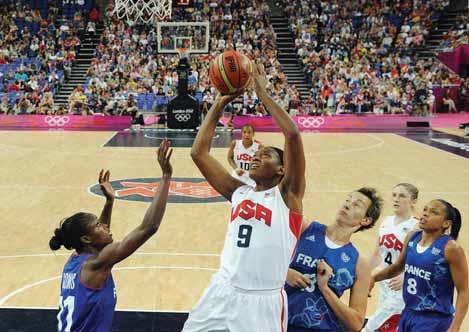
307 308
428 285
84 309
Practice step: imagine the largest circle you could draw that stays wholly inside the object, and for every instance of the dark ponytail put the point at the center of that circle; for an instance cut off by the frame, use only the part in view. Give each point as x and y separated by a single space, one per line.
454 215
456 225
70 232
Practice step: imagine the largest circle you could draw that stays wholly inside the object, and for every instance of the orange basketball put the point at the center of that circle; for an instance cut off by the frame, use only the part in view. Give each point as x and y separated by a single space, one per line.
230 71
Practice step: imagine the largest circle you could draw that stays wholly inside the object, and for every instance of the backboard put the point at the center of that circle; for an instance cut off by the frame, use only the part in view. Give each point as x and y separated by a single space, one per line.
192 36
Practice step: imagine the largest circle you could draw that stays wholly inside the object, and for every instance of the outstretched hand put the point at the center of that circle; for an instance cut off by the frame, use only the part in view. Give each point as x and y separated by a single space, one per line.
259 81
164 154
105 185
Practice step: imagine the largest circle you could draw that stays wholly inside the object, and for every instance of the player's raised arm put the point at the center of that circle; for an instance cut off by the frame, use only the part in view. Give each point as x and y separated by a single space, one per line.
108 192
292 184
218 177
116 252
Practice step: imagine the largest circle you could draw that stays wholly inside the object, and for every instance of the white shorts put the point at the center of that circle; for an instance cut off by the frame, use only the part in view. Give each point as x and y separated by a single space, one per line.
224 308
390 303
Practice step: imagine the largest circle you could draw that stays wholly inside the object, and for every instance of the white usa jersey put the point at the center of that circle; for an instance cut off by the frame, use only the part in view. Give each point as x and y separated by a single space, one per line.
243 156
260 241
391 238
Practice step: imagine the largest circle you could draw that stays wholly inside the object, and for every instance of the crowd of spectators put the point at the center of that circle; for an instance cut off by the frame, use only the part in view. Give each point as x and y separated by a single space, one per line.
358 55
457 35
37 50
126 63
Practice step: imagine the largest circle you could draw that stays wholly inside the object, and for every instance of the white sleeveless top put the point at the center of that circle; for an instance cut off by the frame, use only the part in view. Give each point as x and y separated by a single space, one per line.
260 241
391 238
242 157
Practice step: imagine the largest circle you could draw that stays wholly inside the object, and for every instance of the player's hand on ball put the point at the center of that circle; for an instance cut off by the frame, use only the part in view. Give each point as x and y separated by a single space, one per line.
239 171
226 99
324 273
164 155
297 280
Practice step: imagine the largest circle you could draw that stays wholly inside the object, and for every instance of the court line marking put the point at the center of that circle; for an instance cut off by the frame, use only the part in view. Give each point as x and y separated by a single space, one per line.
432 147
118 151
136 253
110 138
364 148
161 267
216 136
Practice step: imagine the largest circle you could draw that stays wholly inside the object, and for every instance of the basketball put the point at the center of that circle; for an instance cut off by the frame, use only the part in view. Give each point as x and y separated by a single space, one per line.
230 71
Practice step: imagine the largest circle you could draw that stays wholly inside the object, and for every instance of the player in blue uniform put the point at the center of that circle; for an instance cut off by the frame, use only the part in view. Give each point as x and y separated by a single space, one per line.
326 264
433 264
87 296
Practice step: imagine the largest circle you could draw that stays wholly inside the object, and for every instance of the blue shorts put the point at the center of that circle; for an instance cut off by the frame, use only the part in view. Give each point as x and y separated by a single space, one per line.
423 321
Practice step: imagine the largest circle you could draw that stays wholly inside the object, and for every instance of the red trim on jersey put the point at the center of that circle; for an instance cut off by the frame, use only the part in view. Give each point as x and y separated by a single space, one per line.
391 324
295 219
282 318
294 251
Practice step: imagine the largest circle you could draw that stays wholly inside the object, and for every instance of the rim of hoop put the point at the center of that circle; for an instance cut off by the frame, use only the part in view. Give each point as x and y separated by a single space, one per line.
183 52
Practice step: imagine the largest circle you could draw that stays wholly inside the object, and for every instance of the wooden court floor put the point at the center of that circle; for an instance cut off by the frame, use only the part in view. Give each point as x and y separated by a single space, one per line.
45 176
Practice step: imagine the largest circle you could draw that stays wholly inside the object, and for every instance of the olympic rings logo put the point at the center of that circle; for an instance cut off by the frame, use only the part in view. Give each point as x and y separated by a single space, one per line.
311 122
56 121
182 117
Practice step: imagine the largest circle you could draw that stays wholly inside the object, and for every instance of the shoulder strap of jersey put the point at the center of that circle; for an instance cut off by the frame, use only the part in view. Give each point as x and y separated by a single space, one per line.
236 192
443 240
316 227
417 236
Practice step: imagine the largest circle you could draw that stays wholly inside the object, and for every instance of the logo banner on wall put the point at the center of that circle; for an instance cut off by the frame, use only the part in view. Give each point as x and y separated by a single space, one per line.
65 122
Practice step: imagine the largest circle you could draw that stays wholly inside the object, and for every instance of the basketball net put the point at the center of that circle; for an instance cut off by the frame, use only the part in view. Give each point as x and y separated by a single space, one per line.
142 11
183 52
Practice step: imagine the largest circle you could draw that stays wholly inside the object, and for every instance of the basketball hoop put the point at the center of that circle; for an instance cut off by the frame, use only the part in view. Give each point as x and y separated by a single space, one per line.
183 52
142 11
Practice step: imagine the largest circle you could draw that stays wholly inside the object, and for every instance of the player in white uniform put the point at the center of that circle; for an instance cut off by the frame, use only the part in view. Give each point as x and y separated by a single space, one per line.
240 154
247 295
392 233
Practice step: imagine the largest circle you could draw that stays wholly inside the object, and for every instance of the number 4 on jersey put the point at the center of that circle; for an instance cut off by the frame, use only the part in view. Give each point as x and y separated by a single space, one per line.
388 259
